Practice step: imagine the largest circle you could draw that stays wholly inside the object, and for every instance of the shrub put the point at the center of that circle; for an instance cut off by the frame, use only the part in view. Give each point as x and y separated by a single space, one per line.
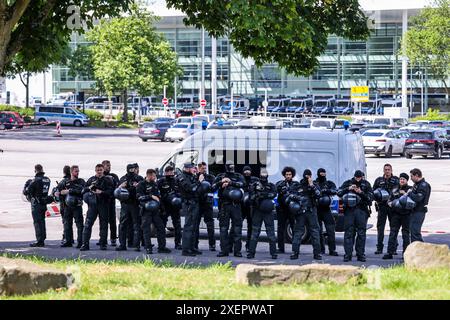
94 115
26 113
432 114
119 116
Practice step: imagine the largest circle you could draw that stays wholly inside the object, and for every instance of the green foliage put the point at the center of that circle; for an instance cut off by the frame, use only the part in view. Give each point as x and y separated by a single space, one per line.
432 115
94 115
427 42
128 54
35 31
119 116
292 33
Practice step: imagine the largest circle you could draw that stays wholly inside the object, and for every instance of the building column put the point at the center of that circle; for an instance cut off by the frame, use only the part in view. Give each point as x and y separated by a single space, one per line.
213 75
404 60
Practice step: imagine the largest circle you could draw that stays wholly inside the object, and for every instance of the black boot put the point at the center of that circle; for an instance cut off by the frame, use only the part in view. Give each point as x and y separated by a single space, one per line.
274 256
164 250
66 245
121 248
84 247
250 255
361 258
388 256
196 251
294 256
37 244
347 258
238 255
379 251
212 248
334 254
317 257
222 254
149 251
188 253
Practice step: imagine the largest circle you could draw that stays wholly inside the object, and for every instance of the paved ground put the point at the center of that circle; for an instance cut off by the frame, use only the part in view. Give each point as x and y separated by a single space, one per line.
86 147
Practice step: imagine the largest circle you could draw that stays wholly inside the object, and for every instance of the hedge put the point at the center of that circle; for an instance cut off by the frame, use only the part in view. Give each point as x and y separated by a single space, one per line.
26 113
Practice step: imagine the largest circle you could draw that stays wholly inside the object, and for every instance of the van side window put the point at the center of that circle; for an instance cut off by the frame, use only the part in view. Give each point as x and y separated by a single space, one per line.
70 111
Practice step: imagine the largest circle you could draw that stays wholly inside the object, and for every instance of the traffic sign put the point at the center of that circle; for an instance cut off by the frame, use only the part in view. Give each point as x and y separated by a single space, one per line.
165 101
359 94
203 103
265 103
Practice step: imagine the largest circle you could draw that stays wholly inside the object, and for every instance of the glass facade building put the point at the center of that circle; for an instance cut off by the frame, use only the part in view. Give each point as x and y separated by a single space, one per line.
375 62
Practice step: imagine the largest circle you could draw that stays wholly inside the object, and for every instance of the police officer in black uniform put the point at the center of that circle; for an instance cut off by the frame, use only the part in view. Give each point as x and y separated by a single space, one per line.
261 194
246 207
189 185
306 195
70 192
400 218
283 213
148 191
169 190
112 219
37 191
229 184
206 202
387 182
129 211
62 204
355 216
327 191
97 192
420 194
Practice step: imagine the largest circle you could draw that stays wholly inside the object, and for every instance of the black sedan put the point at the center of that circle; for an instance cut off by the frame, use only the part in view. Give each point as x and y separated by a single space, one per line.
153 130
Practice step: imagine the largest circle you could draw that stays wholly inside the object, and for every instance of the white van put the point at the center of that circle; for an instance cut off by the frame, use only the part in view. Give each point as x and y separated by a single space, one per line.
340 152
394 123
66 115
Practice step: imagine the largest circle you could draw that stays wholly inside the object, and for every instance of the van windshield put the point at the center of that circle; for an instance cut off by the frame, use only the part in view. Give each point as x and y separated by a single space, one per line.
320 124
381 121
184 120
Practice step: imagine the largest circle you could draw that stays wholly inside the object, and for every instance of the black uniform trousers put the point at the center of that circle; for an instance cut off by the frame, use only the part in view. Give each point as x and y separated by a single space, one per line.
205 211
384 213
174 214
38 213
247 214
399 221
149 217
230 212
283 217
112 220
355 224
309 220
325 217
129 215
258 218
99 210
191 212
62 208
416 222
71 214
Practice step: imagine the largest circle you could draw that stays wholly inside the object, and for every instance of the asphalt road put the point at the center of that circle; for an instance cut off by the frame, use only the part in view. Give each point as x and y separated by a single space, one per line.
86 147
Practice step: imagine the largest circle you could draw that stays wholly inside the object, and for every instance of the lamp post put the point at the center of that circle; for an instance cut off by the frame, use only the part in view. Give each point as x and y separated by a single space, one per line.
265 102
421 91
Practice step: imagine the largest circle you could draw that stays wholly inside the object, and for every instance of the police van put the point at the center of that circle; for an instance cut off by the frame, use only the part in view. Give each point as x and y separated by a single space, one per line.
66 115
340 152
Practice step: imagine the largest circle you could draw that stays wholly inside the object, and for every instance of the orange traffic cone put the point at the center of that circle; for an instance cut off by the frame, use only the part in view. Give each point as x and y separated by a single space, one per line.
58 129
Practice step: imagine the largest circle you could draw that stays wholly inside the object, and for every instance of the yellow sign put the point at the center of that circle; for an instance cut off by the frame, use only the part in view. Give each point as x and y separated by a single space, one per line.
360 94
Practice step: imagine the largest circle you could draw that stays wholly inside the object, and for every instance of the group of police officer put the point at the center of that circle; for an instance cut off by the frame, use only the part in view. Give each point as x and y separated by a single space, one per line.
304 205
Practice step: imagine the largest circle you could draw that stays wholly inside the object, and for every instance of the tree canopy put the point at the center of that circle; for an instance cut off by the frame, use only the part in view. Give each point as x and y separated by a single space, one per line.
128 54
427 42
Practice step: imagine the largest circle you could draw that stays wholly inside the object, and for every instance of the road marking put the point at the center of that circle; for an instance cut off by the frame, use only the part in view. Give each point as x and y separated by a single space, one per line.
436 221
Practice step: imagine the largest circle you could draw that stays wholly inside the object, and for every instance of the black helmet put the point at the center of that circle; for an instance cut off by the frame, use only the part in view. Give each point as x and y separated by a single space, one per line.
351 200
294 207
246 200
176 202
54 191
381 195
235 195
151 206
406 202
121 194
205 187
324 201
72 201
90 198
266 205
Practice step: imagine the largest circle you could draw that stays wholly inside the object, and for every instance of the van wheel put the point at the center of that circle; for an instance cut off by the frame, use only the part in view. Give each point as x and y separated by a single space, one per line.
144 140
424 156
77 123
389 152
42 121
408 156
403 153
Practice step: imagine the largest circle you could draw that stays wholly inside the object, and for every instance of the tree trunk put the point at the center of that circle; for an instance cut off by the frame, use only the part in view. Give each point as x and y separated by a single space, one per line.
27 91
125 106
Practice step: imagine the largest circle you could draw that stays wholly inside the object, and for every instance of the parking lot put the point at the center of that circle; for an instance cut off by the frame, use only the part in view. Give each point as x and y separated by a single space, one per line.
86 147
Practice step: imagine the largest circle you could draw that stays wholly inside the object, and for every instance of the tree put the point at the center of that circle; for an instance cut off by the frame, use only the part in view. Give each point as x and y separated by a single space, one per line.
128 54
292 33
32 26
427 42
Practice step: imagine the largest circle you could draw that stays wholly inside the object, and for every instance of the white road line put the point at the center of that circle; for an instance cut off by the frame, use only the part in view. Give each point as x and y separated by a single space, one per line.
435 221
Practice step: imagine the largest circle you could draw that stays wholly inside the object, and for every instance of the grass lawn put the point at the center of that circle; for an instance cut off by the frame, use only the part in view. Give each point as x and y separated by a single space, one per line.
147 280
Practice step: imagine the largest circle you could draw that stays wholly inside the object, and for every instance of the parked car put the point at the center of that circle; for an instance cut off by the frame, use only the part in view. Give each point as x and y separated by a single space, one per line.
181 131
11 119
66 115
387 142
153 130
392 123
322 123
343 106
164 119
300 105
426 142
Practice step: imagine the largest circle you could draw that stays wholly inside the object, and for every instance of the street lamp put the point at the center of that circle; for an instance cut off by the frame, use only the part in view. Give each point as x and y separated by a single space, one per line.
265 102
421 90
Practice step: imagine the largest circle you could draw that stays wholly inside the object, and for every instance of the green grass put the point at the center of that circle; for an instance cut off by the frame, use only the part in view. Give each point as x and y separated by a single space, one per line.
148 280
